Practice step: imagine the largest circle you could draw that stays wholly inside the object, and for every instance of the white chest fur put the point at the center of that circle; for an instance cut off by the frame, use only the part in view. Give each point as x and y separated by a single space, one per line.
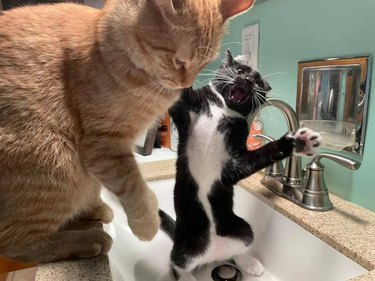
206 152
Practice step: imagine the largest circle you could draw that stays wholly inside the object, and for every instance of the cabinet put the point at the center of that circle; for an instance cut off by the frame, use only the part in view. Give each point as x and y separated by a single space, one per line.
8 266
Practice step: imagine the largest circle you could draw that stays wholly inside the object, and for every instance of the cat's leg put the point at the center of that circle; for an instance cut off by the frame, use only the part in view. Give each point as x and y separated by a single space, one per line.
167 275
81 224
183 274
44 186
187 277
94 213
249 264
39 232
98 210
303 142
111 159
62 245
90 219
102 212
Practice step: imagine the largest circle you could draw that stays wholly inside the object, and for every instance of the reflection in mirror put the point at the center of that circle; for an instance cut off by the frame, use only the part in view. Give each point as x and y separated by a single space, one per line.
332 98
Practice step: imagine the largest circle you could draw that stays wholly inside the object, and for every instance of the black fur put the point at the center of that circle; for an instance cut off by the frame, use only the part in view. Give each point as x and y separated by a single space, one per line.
191 232
167 224
227 223
192 223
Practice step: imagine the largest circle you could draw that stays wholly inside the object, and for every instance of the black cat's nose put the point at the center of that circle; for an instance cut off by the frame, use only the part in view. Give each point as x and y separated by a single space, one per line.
241 81
249 80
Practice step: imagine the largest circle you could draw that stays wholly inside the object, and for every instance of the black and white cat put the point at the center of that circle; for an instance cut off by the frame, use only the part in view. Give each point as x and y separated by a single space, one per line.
212 157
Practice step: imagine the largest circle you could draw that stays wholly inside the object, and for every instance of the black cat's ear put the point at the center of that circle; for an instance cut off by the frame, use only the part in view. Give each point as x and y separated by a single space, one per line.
231 8
229 58
266 86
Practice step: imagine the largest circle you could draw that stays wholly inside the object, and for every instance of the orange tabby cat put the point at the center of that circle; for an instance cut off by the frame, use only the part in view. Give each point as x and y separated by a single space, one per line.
76 87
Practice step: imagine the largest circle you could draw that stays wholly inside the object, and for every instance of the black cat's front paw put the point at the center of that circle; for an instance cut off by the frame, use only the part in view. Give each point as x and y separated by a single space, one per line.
305 141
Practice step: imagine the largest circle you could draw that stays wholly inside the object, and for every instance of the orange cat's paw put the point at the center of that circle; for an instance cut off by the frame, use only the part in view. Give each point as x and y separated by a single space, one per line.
145 222
102 213
94 242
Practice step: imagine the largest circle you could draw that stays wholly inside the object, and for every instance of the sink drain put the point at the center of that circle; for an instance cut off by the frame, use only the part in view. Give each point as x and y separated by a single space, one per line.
226 272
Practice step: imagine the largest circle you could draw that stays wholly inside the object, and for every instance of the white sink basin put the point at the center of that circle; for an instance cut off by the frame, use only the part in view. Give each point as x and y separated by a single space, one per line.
288 252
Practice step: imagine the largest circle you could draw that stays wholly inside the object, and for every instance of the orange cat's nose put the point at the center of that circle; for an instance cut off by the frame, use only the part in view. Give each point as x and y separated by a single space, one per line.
187 82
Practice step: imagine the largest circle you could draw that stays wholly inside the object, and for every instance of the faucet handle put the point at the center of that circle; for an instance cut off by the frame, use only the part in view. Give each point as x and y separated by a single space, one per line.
315 193
261 136
276 169
343 161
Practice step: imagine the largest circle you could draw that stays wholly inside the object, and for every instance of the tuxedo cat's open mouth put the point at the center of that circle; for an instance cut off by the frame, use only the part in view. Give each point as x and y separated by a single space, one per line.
238 94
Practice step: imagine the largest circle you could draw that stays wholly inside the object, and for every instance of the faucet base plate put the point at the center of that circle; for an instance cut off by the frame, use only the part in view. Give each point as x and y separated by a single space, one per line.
296 195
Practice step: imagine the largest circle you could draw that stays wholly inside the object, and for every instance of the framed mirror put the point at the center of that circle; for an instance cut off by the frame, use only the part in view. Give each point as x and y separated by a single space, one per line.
332 98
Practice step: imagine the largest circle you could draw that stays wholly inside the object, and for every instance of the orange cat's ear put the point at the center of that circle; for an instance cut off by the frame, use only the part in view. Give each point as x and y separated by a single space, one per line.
231 8
168 5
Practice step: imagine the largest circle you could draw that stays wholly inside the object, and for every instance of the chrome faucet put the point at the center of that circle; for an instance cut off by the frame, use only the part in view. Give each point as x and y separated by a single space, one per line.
307 190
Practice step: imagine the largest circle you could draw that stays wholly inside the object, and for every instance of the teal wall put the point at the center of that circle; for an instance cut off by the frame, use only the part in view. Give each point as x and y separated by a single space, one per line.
297 30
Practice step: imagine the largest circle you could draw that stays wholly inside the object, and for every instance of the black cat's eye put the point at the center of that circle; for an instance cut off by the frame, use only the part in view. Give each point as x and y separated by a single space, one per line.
239 71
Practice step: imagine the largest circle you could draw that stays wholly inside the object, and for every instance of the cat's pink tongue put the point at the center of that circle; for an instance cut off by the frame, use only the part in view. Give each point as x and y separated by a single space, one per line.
239 95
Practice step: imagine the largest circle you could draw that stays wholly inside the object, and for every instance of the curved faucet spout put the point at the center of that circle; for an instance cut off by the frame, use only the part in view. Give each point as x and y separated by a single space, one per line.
293 168
286 109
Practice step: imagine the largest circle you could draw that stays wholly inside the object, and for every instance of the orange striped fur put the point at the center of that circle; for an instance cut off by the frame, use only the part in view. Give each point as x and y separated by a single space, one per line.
77 85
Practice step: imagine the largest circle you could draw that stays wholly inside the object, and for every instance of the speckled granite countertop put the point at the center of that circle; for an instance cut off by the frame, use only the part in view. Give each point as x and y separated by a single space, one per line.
347 228
94 269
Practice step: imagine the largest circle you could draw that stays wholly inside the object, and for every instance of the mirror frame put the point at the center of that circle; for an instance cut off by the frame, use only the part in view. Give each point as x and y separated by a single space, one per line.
364 61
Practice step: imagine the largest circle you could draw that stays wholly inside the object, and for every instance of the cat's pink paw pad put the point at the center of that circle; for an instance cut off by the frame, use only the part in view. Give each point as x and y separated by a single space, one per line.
305 142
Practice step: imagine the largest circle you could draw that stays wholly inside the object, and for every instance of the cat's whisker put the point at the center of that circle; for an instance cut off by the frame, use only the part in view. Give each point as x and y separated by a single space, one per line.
205 81
257 102
269 109
209 70
216 75
224 78
143 91
263 100
204 56
157 91
229 43
231 72
221 75
156 82
207 49
220 80
227 84
219 58
274 94
275 73
268 93
198 82
206 74
146 90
